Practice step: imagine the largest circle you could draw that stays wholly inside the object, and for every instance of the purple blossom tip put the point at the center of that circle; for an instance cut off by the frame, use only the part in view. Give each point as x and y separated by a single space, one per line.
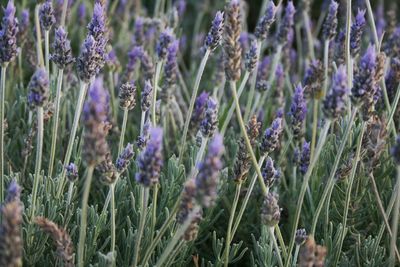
334 104
298 110
13 192
305 158
396 151
213 38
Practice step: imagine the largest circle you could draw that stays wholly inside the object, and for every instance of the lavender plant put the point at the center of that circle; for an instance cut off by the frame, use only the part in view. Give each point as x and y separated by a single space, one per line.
161 167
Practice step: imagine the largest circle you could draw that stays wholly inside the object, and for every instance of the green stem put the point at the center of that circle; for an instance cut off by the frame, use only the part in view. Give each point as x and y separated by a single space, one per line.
229 235
192 101
232 105
46 51
139 234
264 188
64 13
177 236
393 110
349 62
296 255
314 128
84 211
154 210
348 193
395 221
2 100
278 252
78 111
112 92
160 233
253 83
309 35
331 179
39 51
175 253
304 186
123 129
70 191
38 164
55 122
113 228
154 98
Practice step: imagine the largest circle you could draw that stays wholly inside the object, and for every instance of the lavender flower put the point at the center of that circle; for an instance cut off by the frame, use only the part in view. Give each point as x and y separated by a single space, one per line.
364 84
107 170
8 34
164 41
213 38
251 57
170 68
146 96
286 24
46 15
356 32
62 55
142 139
38 88
72 172
11 244
334 104
81 13
265 22
393 78
199 111
298 110
396 151
301 236
97 27
314 79
207 179
304 158
13 192
270 139
147 66
89 61
210 121
94 116
269 173
270 212
127 95
232 49
330 24
139 31
124 159
151 160
23 26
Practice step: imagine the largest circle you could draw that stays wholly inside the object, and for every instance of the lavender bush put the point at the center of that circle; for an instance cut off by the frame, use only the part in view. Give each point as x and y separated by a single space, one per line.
199 133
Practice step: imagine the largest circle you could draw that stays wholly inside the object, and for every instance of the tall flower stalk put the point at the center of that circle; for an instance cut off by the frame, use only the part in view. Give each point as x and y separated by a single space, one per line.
395 220
47 19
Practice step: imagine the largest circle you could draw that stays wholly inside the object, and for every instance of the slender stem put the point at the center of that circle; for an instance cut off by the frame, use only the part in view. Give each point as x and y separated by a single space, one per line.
70 191
229 237
246 198
175 253
331 179
154 98
123 129
200 153
64 13
253 83
395 221
192 101
296 255
246 138
178 235
112 92
348 192
55 122
46 51
326 67
393 109
38 164
347 41
232 105
154 210
310 41
113 228
160 233
278 252
139 234
84 211
2 99
304 186
314 128
78 111
39 51
372 23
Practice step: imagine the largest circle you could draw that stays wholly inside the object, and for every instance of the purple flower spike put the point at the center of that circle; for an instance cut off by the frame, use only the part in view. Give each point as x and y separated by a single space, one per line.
298 110
146 96
89 63
334 104
46 15
171 67
8 34
72 172
139 31
62 55
396 151
251 57
124 159
82 13
330 24
151 160
270 139
13 192
269 173
199 110
214 36
207 179
38 89
364 82
210 121
95 114
164 41
356 32
286 24
304 158
265 22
